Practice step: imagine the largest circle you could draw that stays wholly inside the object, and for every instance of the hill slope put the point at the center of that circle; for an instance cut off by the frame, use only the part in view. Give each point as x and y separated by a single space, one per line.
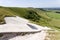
35 15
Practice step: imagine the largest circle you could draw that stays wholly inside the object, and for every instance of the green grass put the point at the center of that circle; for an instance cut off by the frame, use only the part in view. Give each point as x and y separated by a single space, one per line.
53 15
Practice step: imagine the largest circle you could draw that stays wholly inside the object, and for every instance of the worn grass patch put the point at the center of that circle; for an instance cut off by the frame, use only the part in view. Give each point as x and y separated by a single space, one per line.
53 35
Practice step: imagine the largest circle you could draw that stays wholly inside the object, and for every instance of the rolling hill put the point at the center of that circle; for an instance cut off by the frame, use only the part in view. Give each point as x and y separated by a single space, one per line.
35 15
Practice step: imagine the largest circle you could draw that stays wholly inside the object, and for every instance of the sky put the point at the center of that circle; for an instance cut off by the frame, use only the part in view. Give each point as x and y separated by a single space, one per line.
30 3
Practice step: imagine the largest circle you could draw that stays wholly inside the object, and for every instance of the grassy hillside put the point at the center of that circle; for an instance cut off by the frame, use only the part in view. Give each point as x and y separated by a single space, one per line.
38 16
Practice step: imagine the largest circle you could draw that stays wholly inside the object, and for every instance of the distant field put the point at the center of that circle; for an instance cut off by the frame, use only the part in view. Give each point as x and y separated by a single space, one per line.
54 15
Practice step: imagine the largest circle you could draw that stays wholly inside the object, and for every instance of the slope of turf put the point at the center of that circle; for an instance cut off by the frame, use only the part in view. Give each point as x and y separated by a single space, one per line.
38 16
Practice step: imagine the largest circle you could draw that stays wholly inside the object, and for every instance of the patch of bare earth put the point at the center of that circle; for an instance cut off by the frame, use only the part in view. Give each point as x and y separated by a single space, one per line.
53 35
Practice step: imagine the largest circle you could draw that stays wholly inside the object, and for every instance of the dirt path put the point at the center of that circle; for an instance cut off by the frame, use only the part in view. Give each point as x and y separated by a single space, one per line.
37 36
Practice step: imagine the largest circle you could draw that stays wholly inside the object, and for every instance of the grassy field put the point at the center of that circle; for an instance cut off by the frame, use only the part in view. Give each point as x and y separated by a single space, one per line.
38 16
53 15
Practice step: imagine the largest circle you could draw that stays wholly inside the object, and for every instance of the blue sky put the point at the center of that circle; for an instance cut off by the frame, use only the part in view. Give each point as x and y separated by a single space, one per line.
30 3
